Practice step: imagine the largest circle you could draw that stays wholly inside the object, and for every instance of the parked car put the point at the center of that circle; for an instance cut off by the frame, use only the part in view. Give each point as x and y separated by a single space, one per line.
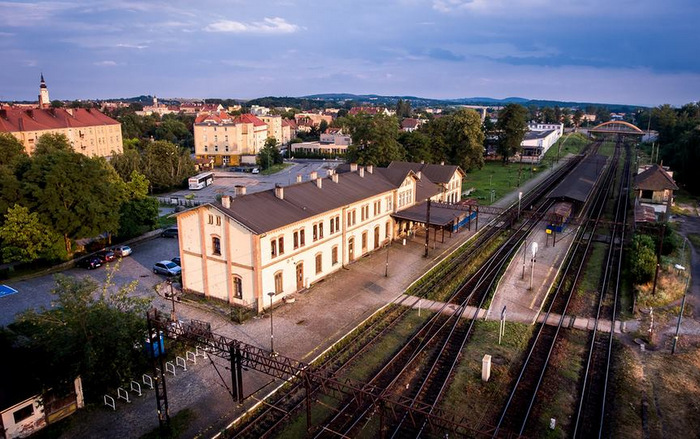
177 261
169 233
122 250
89 262
106 256
255 171
168 268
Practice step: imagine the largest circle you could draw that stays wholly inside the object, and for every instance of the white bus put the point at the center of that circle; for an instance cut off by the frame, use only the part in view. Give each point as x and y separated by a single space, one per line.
200 181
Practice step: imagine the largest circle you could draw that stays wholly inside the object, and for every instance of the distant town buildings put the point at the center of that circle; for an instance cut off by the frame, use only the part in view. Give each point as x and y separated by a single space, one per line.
89 131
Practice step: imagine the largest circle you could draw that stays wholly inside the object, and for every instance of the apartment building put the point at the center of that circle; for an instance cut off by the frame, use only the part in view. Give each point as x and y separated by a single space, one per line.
89 131
224 139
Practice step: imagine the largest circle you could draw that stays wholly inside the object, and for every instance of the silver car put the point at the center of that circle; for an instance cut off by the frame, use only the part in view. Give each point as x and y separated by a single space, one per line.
122 250
168 268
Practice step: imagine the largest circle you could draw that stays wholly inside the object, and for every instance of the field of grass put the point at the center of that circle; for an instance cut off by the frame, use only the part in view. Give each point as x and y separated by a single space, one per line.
499 178
571 143
275 168
478 400
656 393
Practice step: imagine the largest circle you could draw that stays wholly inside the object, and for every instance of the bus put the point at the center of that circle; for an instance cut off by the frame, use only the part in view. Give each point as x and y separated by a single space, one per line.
200 181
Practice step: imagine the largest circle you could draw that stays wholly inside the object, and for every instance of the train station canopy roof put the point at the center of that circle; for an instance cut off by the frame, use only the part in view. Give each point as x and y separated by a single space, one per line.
439 216
578 185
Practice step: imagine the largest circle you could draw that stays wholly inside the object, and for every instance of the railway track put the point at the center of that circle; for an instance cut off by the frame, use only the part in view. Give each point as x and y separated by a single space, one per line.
522 399
279 410
590 415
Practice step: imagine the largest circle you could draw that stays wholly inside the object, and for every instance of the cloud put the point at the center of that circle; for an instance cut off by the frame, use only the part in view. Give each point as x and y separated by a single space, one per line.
445 55
106 63
450 5
131 46
16 14
274 25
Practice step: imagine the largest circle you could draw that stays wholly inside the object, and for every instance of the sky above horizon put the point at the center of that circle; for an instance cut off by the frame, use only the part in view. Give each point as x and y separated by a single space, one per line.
642 52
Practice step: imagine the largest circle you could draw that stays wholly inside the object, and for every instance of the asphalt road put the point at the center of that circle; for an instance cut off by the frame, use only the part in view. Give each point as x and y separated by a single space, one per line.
36 292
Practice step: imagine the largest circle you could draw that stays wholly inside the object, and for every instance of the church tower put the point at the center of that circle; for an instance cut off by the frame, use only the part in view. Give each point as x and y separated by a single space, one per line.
44 101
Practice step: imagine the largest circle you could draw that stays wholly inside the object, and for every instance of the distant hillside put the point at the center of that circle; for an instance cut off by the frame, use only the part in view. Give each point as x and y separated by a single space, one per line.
421 102
347 100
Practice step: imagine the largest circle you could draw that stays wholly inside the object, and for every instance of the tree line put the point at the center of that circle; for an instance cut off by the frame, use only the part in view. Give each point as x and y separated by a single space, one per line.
57 196
679 140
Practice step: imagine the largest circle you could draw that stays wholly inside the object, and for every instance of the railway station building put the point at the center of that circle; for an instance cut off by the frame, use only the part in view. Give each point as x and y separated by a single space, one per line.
255 249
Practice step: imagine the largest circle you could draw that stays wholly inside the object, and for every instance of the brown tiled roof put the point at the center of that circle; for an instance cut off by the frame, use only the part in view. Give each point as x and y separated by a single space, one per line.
35 119
409 123
263 212
436 173
654 179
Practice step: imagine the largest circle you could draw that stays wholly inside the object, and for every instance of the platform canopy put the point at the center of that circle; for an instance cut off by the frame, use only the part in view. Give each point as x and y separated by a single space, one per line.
439 216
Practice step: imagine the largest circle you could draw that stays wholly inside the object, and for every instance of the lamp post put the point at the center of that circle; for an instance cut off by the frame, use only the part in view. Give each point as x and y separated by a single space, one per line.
173 317
520 197
534 259
272 330
386 267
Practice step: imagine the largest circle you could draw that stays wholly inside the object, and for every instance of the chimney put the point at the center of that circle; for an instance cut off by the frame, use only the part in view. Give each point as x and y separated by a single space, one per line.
353 167
319 182
419 174
298 178
334 177
313 175
330 172
240 190
442 163
226 201
422 162
362 171
370 169
279 191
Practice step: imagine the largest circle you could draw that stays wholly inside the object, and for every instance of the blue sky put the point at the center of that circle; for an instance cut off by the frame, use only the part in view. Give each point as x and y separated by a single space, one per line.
642 52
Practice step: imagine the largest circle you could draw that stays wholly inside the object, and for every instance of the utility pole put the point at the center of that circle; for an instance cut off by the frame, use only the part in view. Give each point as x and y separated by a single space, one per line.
427 227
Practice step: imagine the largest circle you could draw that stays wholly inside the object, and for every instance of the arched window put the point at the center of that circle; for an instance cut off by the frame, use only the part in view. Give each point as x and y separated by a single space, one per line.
216 245
237 287
279 286
319 263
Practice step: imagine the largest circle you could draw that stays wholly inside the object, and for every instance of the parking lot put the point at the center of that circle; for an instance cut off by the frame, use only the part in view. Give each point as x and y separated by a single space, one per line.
36 292
225 182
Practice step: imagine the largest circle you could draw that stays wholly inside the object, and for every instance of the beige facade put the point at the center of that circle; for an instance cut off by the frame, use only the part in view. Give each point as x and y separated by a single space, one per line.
219 137
224 259
88 131
274 127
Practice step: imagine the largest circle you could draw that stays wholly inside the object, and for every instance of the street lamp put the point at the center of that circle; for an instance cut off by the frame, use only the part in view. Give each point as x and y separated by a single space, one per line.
534 259
520 197
272 330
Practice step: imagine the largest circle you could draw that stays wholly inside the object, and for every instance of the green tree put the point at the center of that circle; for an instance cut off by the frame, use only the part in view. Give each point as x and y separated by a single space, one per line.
269 154
417 146
511 127
548 115
374 139
50 143
642 259
12 159
57 104
457 138
78 196
166 165
577 117
403 109
24 238
139 212
128 161
90 331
